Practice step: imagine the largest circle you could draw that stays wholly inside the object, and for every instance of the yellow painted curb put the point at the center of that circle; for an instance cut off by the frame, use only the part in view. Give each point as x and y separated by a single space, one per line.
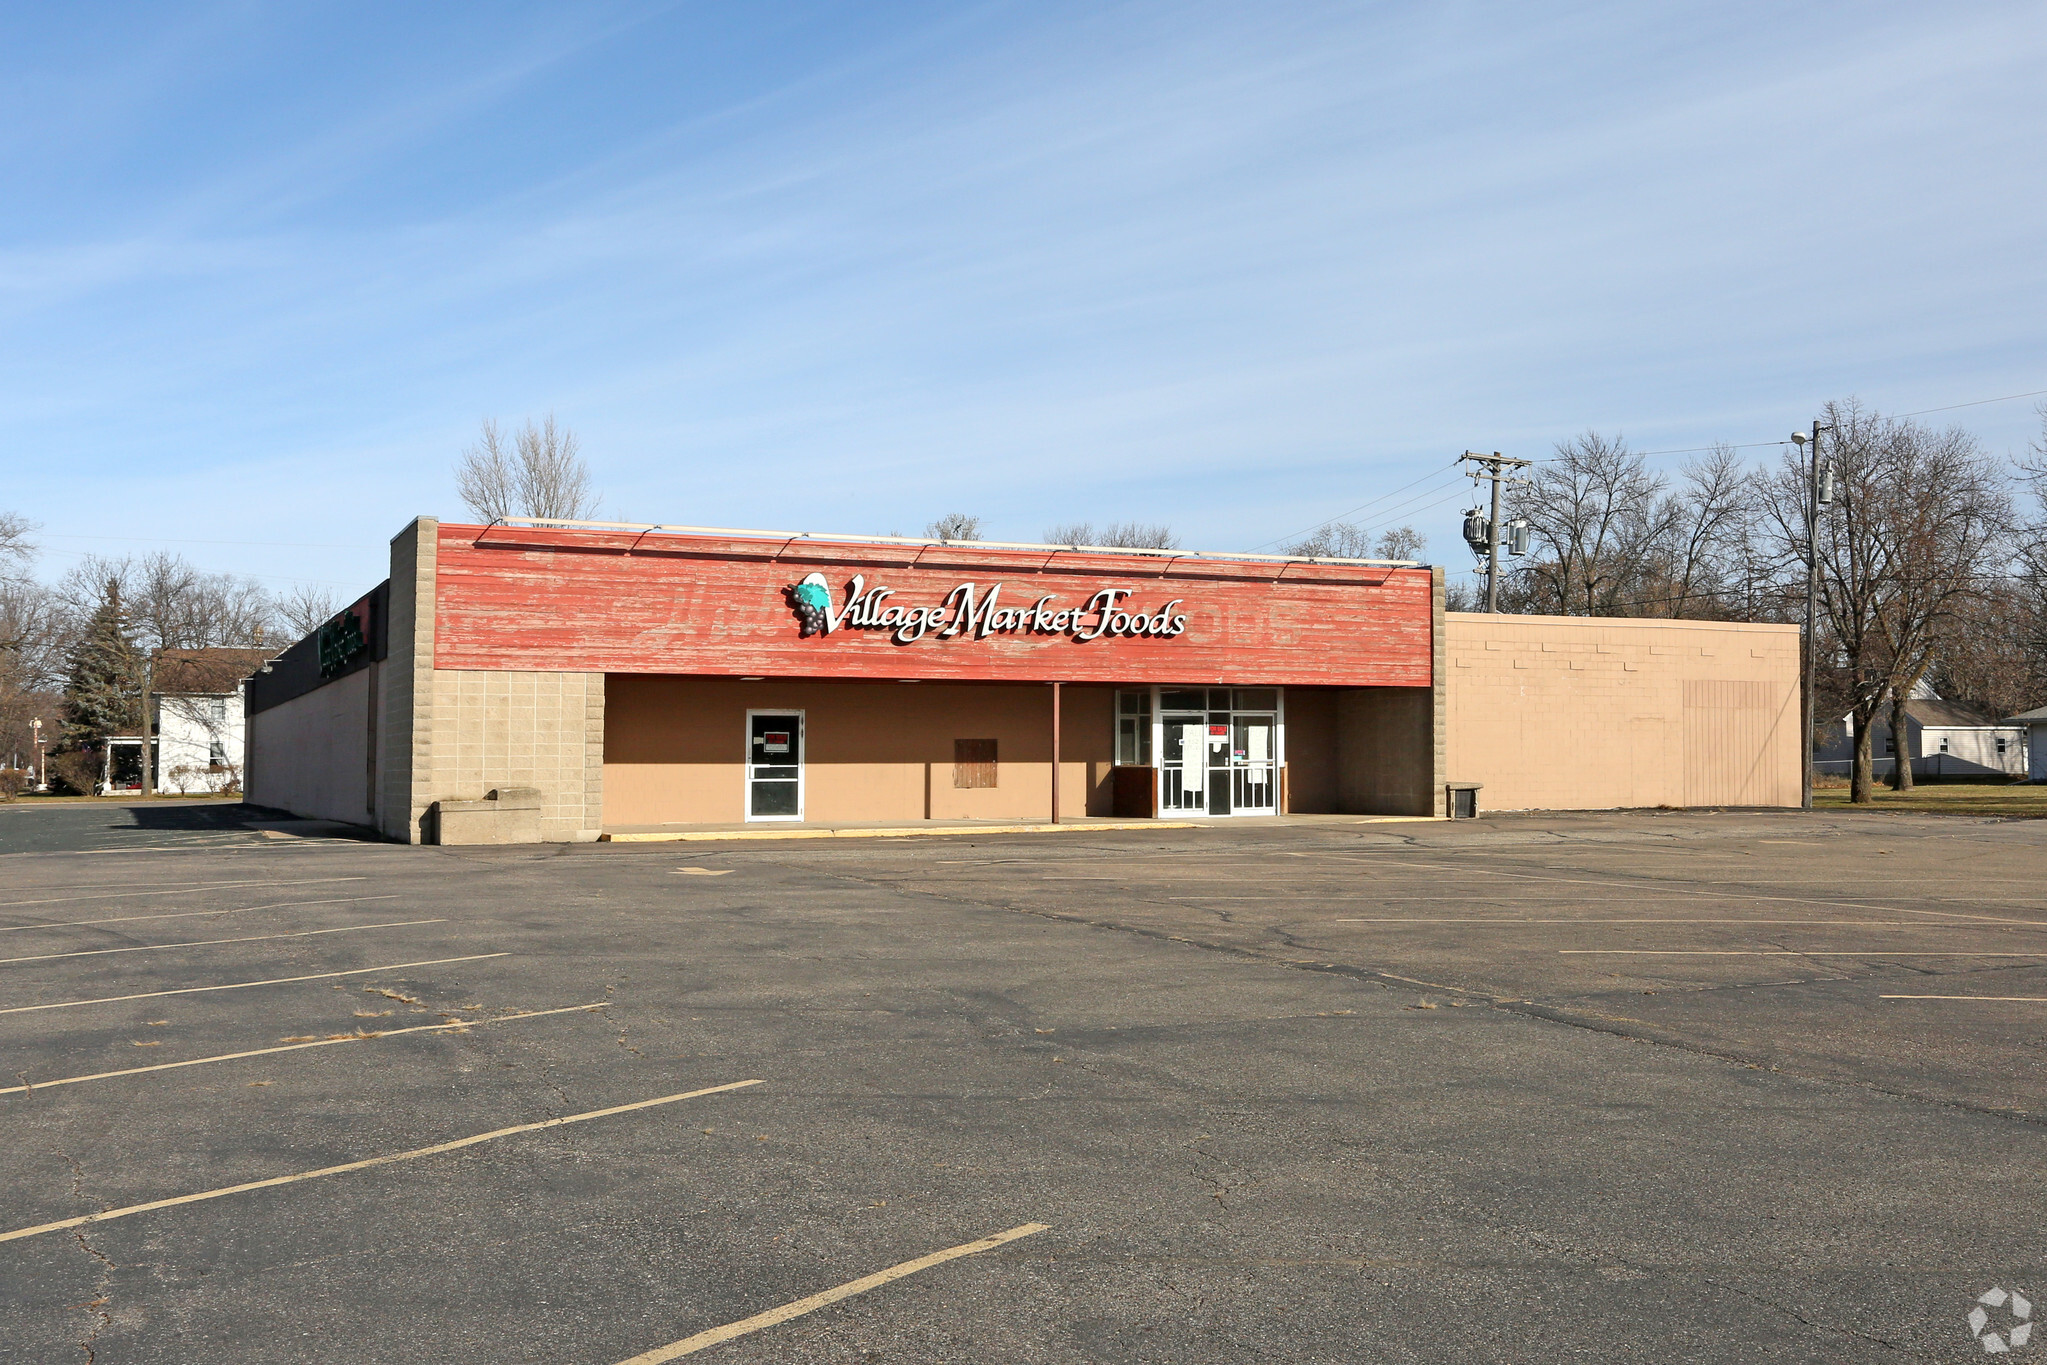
701 836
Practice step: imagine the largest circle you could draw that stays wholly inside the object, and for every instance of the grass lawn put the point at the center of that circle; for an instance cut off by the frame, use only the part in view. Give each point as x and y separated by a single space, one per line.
1945 798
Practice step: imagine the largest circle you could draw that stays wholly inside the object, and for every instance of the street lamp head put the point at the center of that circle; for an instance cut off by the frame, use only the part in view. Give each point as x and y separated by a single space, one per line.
1801 438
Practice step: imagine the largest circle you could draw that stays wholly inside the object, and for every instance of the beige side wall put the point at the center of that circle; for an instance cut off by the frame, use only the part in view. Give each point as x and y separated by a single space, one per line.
675 749
310 756
1579 713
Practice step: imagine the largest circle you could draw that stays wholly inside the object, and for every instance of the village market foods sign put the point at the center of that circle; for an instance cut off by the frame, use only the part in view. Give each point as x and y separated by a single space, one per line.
968 611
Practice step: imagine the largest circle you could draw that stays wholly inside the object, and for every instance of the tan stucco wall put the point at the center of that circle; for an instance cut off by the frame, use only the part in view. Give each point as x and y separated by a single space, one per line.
675 749
310 756
1566 712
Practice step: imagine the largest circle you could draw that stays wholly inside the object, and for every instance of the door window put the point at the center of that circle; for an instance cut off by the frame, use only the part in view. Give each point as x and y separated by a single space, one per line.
774 765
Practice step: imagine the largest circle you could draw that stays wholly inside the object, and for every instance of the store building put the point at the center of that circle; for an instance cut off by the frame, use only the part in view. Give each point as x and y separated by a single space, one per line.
648 677
530 681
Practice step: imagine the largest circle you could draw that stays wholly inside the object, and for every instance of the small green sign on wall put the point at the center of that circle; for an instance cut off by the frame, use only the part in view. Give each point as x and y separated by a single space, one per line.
341 643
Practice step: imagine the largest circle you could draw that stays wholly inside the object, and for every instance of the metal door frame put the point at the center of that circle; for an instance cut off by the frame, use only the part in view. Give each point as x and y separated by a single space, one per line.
746 766
1158 749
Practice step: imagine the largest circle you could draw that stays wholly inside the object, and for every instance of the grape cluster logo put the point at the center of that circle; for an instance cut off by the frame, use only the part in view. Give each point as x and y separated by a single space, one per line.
811 600
2001 1321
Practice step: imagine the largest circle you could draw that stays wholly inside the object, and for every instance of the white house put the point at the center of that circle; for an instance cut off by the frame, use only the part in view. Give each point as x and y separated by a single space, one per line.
198 721
1942 739
2035 722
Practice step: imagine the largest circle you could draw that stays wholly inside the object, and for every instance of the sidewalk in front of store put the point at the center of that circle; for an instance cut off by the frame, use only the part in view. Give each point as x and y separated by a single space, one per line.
883 829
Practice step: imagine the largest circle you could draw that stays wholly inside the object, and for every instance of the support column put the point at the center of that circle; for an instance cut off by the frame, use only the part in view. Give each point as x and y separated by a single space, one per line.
1055 753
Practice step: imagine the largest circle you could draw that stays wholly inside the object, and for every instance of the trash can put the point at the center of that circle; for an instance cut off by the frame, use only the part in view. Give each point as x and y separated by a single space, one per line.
1461 800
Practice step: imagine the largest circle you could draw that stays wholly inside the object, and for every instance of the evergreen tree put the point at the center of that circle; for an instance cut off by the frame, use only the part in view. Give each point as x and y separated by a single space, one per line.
102 694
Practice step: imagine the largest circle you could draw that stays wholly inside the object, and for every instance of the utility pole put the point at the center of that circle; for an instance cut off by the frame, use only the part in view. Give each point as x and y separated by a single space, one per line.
1816 497
1494 466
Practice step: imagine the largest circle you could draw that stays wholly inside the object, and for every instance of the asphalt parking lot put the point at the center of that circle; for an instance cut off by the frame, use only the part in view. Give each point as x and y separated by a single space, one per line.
1728 1087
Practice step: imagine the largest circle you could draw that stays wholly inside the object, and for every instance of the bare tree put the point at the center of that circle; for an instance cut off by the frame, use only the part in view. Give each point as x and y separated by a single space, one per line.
1596 516
1947 517
1609 537
954 526
2027 625
17 549
486 478
33 642
1988 652
1347 540
542 475
172 604
1902 554
305 609
1123 535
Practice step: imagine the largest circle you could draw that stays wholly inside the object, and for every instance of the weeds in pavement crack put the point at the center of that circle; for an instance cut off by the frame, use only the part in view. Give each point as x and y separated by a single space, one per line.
622 1029
103 1287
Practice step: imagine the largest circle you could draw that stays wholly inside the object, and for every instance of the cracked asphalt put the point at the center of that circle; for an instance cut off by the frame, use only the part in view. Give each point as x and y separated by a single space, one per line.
1608 1087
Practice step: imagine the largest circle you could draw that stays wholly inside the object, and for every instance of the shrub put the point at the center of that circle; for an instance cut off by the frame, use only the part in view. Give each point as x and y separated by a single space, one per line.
76 771
13 781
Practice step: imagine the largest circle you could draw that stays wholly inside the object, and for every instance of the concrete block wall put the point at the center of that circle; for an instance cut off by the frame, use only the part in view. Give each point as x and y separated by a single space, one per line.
1577 713
404 677
447 735
498 729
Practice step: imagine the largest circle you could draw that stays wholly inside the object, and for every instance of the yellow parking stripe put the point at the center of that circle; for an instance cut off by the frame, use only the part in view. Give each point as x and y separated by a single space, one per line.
460 1025
346 1167
691 1345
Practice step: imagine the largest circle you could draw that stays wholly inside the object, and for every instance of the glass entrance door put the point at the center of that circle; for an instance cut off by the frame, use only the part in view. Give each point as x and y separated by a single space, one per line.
1183 751
1254 771
774 765
1219 750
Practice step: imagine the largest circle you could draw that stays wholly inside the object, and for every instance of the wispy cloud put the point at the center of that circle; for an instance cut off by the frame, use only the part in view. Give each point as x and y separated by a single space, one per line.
1235 269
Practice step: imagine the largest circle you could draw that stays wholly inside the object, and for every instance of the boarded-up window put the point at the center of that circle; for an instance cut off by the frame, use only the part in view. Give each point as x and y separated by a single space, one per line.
973 763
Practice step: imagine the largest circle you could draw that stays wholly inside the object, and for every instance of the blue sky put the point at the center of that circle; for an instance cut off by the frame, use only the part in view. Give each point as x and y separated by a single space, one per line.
847 267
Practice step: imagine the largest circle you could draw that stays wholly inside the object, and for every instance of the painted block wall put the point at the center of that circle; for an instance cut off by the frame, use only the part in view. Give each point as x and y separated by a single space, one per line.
311 755
1578 713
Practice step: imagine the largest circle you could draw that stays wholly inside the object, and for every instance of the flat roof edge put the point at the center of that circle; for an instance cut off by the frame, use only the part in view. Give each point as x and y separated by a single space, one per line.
1665 622
841 538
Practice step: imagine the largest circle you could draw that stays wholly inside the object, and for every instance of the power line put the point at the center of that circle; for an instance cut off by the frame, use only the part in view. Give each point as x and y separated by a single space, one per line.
1359 508
1757 445
1973 403
166 540
1453 496
1682 450
266 577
